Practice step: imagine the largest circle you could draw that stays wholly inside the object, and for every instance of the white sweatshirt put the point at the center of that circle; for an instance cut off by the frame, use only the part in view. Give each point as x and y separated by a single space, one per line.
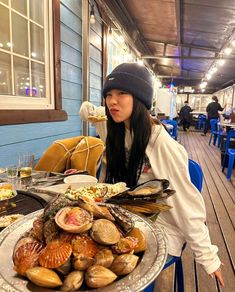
185 222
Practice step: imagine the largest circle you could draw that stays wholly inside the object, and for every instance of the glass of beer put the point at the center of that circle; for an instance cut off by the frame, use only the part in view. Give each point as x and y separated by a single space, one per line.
26 162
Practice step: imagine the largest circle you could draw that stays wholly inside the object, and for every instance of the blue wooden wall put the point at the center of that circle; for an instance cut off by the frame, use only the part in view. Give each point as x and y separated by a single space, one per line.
36 137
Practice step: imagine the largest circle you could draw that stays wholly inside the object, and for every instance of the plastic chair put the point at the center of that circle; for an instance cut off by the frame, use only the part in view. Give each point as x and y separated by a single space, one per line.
215 132
196 176
201 122
231 154
174 132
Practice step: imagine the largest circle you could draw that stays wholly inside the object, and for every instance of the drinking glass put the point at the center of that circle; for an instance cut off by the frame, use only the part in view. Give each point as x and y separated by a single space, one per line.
26 162
12 171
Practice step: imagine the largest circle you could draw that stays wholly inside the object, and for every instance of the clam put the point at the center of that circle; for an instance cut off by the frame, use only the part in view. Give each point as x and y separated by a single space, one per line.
65 268
142 243
98 276
105 232
73 281
74 219
43 277
82 262
124 264
104 258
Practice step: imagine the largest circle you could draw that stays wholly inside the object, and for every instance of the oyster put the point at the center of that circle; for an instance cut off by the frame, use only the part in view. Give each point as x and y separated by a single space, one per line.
73 281
124 264
43 277
74 219
50 230
98 276
122 217
55 254
104 258
105 232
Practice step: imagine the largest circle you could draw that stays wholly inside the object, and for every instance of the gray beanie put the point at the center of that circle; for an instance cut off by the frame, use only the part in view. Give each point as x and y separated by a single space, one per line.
132 78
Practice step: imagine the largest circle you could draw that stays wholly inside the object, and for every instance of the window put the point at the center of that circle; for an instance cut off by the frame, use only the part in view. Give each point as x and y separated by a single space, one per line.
30 61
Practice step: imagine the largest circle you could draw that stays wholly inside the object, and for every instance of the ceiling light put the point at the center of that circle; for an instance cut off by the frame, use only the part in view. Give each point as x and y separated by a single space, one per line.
140 61
208 76
9 44
92 15
1 45
203 90
228 51
221 62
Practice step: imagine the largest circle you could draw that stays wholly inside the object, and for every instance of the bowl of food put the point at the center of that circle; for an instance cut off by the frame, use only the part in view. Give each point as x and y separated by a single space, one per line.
7 192
79 180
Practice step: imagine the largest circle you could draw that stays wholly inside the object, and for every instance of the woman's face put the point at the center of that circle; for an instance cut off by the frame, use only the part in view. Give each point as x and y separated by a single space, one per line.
120 105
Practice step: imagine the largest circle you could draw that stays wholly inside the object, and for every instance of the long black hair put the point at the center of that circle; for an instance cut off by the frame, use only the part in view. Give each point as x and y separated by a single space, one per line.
119 167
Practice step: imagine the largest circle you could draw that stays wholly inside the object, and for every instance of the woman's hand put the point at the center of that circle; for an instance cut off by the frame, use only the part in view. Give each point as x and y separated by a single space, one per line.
218 275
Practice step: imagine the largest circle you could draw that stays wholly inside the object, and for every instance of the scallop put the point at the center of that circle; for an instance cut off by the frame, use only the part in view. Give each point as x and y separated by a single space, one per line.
73 281
74 219
98 276
55 254
124 264
85 245
43 277
26 256
105 232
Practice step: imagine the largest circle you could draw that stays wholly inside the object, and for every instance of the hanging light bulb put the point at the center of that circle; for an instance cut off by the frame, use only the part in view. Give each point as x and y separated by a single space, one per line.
228 51
92 15
221 62
140 61
110 35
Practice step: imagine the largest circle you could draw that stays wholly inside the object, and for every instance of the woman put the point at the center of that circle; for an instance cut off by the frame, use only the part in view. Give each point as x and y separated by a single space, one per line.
137 150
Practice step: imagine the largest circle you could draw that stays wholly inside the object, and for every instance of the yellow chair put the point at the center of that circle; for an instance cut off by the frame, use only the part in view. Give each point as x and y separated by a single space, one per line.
81 153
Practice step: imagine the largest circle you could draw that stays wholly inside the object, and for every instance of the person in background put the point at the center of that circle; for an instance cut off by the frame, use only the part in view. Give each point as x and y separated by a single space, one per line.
213 109
185 116
138 150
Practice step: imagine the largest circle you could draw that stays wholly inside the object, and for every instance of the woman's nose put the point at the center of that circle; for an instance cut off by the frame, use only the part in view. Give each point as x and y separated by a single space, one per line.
113 99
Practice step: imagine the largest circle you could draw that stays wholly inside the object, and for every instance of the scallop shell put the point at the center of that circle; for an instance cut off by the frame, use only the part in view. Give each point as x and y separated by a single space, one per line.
105 232
55 254
98 276
125 245
85 245
124 264
142 242
26 256
73 281
74 220
43 277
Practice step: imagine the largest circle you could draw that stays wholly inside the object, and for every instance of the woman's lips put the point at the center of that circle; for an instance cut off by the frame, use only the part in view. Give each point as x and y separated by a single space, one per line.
113 111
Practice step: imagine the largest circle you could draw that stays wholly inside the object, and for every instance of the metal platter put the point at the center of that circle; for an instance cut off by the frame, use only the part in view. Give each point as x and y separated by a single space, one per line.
150 265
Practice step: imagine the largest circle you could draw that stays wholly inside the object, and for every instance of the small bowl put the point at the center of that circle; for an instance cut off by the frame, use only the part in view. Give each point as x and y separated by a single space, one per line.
80 180
5 199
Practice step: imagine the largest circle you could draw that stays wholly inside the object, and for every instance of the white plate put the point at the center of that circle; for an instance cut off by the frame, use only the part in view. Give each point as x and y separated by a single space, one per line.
79 180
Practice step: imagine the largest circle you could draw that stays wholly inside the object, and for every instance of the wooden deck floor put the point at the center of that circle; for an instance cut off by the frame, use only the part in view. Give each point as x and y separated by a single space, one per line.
219 196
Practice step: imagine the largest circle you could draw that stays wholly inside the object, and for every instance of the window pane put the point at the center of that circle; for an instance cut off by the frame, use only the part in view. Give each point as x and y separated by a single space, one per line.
5 74
20 5
37 42
36 11
4 28
38 79
19 35
21 72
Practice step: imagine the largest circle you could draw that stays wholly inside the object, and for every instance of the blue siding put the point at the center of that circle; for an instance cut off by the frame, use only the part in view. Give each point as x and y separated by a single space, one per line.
37 137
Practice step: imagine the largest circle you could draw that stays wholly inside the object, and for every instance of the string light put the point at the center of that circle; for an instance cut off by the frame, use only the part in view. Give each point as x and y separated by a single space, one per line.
92 15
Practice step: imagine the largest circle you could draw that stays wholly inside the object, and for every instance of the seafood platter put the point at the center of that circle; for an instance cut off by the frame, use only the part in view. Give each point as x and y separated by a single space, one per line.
81 245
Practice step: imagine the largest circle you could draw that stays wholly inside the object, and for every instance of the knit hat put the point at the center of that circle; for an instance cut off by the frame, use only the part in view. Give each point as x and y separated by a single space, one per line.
132 78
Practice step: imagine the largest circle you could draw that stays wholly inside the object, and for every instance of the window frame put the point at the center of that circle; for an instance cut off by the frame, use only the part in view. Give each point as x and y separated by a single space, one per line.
19 116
